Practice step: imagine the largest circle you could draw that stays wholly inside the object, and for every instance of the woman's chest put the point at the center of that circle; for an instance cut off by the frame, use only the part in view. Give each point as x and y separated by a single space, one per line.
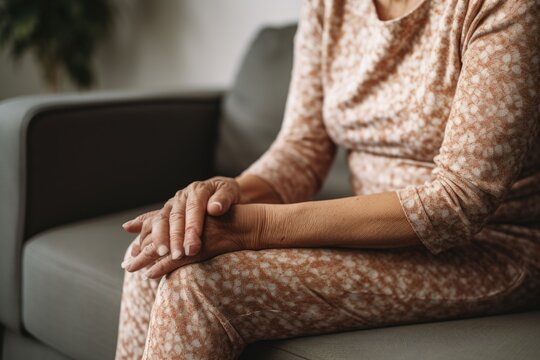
390 87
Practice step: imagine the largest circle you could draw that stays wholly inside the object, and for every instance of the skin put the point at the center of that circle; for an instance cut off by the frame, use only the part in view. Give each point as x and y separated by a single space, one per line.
391 9
219 215
246 223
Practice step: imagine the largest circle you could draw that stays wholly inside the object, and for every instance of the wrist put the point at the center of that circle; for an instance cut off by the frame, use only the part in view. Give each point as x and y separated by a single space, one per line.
256 231
245 225
273 226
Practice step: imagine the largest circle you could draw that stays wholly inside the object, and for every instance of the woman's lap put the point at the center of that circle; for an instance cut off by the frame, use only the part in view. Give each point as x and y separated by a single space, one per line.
280 293
276 293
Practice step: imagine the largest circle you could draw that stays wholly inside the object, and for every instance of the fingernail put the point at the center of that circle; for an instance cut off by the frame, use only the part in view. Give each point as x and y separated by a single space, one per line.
126 263
126 223
176 254
147 274
215 203
162 250
190 249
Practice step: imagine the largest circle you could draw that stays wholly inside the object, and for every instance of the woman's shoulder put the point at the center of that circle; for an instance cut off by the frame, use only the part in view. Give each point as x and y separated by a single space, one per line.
485 13
501 17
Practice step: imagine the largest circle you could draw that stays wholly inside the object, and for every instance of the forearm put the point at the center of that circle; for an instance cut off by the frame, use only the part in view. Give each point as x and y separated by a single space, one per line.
253 189
370 221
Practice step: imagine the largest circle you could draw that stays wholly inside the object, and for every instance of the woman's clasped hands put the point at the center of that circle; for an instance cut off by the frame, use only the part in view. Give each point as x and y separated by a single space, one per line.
198 223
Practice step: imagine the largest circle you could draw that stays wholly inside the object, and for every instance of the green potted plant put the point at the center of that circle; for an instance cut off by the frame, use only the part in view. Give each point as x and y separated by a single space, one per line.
61 34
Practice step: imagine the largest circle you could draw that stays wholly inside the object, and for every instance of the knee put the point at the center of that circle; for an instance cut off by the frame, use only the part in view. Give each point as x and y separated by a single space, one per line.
183 283
179 296
208 282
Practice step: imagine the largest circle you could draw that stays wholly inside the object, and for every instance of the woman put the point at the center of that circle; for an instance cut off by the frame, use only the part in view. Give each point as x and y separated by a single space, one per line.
437 104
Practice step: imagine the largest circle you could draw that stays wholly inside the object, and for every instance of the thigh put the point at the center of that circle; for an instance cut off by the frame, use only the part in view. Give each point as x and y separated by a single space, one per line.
280 293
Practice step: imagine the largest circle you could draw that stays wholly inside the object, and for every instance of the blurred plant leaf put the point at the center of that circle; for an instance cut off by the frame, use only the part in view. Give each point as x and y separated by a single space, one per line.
62 34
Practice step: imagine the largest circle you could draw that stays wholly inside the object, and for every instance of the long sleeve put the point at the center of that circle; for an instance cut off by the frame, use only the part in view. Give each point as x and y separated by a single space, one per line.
298 160
492 124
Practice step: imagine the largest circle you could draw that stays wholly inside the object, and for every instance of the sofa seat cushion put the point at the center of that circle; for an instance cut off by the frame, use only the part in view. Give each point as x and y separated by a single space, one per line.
72 283
511 336
71 300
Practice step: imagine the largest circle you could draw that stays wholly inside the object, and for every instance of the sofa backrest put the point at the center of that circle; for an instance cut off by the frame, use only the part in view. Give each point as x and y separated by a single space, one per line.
253 109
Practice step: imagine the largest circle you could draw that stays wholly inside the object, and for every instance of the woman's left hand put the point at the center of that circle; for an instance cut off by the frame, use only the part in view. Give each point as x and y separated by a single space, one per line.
237 230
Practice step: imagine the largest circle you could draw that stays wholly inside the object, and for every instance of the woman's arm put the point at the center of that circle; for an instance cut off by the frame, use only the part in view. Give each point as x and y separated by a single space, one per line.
493 122
298 160
366 221
292 170
370 221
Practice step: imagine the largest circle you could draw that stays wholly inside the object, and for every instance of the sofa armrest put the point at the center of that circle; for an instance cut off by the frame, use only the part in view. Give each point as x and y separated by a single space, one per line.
69 157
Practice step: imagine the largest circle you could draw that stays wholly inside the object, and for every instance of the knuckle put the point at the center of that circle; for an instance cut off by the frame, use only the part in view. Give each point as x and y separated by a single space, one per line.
144 230
229 187
192 229
147 224
221 179
191 207
141 219
191 187
149 249
177 215
200 187
179 194
197 184
160 219
163 216
177 238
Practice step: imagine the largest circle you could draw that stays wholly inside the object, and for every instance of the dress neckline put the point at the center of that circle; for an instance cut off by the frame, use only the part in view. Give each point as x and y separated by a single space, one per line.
375 15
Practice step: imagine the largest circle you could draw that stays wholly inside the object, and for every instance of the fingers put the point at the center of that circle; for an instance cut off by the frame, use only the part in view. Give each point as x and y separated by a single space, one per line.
147 240
135 247
146 229
196 203
146 257
166 265
222 199
142 239
177 226
163 267
162 229
135 225
160 234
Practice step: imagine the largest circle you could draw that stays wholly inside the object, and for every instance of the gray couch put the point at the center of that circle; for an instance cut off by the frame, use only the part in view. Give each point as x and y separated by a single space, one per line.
75 167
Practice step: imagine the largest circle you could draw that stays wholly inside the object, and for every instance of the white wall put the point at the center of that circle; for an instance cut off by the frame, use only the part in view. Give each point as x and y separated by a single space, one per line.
167 44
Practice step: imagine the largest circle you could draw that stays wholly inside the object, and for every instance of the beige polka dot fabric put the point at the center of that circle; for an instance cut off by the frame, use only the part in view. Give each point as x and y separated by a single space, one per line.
212 310
440 105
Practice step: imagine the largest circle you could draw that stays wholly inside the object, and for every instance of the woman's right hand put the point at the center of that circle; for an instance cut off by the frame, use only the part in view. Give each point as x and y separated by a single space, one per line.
178 226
